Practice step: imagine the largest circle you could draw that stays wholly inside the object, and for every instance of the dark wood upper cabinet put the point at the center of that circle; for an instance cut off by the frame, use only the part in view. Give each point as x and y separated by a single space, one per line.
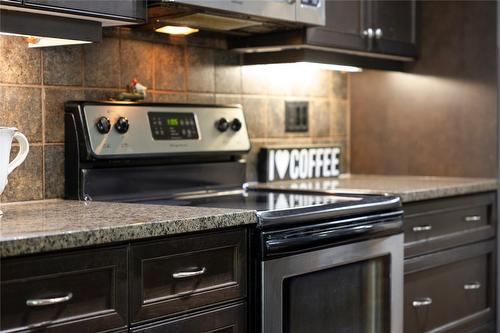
394 25
123 9
345 22
386 27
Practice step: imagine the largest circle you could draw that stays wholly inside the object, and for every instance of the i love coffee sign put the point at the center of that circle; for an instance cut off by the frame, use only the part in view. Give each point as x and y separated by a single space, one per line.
298 163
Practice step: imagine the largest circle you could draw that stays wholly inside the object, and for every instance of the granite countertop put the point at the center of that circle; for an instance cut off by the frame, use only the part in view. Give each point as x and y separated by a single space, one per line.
409 188
34 227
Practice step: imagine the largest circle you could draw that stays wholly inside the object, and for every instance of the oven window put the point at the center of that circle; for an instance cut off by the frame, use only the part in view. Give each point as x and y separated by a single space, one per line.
352 298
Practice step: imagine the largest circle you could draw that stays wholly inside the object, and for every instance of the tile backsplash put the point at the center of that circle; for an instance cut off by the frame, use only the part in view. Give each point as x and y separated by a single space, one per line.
35 83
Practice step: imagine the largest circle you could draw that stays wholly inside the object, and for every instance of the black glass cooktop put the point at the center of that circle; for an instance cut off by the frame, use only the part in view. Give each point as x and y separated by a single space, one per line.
255 200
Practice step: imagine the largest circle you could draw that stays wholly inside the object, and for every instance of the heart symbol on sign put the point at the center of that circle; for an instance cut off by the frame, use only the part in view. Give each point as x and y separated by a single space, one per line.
282 159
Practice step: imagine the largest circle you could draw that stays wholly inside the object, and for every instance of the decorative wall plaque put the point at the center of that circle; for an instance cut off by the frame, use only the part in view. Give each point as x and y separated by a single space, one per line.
298 163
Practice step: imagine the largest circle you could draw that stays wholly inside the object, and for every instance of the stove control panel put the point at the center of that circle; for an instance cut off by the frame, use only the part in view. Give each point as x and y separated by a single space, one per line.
136 129
173 126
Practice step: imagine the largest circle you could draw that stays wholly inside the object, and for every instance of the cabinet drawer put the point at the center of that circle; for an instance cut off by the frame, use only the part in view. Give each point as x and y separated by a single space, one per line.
88 290
178 274
226 320
450 291
440 224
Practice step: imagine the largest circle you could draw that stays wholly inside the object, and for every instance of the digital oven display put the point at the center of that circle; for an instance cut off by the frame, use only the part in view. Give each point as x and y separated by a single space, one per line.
173 126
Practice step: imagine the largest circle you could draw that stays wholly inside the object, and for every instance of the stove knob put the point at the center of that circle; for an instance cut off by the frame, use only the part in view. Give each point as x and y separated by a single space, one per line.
103 125
122 125
236 125
222 124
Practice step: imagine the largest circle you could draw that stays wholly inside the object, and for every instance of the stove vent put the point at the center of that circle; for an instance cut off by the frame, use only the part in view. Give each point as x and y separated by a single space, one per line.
210 22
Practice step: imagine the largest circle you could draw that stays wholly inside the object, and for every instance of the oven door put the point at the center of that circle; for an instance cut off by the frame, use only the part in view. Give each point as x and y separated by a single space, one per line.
354 288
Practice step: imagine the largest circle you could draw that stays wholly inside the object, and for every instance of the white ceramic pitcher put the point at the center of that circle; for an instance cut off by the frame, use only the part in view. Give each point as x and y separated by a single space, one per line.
7 134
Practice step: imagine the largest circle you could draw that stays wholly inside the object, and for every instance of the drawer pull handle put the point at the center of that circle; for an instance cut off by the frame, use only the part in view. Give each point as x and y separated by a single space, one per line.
473 218
426 301
183 275
49 301
472 286
420 228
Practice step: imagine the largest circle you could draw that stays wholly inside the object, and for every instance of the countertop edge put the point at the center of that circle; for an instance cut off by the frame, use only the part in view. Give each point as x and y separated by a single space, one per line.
107 236
445 192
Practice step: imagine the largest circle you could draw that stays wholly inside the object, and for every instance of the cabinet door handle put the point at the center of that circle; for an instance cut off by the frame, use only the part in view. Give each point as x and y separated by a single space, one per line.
425 301
472 286
49 301
472 218
183 275
378 33
420 228
369 33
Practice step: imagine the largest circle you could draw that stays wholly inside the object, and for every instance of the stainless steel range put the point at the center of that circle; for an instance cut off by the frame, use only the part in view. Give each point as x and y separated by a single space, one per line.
322 263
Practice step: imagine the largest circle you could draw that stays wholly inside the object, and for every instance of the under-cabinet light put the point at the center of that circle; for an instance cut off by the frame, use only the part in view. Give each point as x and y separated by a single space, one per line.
306 65
176 30
331 67
35 41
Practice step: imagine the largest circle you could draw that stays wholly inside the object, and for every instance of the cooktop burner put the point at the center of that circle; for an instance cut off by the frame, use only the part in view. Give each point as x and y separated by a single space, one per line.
254 200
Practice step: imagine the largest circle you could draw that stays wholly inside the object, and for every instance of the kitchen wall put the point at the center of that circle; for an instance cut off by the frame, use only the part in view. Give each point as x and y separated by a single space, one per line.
440 117
34 83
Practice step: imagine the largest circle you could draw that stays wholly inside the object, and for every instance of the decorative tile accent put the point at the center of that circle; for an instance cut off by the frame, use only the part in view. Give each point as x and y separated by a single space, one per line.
201 70
276 119
170 69
169 98
227 99
101 94
338 116
254 80
19 64
201 98
227 72
310 82
136 61
102 63
25 182
22 108
54 111
255 114
319 114
340 85
54 171
63 65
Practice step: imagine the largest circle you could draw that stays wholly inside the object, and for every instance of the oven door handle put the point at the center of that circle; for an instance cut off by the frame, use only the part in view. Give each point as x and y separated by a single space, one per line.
294 242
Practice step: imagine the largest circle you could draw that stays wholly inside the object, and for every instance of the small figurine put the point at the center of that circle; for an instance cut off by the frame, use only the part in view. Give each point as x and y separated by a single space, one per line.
135 92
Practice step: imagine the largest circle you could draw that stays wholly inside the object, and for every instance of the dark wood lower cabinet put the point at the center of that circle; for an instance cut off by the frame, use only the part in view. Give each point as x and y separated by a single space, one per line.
231 319
450 264
170 277
193 283
73 292
440 224
451 291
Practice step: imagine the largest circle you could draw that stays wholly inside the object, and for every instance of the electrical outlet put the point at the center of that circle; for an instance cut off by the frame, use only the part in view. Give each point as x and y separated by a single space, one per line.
296 116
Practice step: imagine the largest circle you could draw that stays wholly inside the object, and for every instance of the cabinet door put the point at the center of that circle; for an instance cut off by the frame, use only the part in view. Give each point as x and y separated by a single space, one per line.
451 291
230 319
394 24
131 9
345 22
